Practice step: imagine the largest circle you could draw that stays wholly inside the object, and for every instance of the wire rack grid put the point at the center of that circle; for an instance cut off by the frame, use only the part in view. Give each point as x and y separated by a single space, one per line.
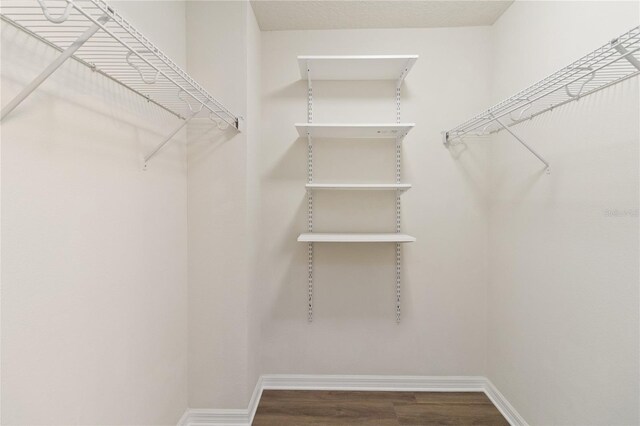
612 63
118 51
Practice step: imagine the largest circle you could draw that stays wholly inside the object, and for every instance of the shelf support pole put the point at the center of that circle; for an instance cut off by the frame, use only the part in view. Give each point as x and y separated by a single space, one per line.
310 230
53 66
398 199
172 134
531 150
309 197
166 140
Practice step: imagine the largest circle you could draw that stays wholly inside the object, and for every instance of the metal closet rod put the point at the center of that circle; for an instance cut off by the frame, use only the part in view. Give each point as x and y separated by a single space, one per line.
610 64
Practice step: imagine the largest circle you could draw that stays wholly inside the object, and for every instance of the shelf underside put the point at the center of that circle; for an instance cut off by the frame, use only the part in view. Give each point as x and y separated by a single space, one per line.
354 130
117 51
369 67
359 186
355 238
614 62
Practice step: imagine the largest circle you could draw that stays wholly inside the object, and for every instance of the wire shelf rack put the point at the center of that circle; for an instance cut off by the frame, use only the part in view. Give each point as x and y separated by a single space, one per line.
115 49
612 63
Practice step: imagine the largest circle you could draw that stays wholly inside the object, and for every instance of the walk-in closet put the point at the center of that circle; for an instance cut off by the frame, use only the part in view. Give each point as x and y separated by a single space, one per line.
356 212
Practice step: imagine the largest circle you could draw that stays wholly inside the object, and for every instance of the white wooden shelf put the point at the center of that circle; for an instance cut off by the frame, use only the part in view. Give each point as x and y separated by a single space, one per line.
367 67
392 68
355 238
354 130
359 186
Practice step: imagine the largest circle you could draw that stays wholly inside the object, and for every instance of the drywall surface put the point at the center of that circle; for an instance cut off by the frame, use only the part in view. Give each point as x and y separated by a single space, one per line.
94 291
563 294
443 274
253 122
331 15
223 187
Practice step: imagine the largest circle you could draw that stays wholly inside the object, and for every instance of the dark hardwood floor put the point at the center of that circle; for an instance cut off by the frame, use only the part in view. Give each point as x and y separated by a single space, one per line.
376 408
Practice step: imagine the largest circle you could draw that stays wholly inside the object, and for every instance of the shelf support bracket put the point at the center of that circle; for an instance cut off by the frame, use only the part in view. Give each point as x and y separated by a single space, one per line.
66 54
172 134
531 150
627 55
166 140
403 74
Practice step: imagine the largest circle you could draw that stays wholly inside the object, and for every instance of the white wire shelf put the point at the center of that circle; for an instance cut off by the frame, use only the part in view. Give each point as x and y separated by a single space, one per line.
356 131
314 237
359 186
612 63
356 67
115 49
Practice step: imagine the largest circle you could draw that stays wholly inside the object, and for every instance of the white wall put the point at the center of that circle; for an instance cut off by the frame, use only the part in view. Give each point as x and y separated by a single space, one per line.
254 137
563 292
444 273
94 264
94 277
222 181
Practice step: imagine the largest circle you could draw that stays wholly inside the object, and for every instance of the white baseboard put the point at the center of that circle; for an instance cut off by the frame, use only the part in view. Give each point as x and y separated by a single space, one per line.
218 417
503 405
374 383
222 416
184 420
255 399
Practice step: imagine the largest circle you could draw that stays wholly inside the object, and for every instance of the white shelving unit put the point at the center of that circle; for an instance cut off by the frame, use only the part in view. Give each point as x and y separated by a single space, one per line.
616 61
95 35
354 131
378 67
391 237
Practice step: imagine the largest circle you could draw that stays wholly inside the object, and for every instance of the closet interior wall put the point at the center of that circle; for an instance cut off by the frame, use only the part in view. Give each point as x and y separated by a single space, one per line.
444 273
188 280
223 51
563 248
94 259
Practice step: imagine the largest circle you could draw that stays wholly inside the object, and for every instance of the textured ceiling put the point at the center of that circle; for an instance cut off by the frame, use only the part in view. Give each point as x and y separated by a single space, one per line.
276 15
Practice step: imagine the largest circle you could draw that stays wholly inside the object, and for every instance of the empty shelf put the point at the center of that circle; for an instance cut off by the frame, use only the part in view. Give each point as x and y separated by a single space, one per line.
614 62
362 131
117 50
370 67
360 186
355 238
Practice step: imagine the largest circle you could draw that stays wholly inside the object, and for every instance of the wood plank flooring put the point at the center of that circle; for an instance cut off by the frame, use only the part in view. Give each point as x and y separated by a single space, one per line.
285 408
